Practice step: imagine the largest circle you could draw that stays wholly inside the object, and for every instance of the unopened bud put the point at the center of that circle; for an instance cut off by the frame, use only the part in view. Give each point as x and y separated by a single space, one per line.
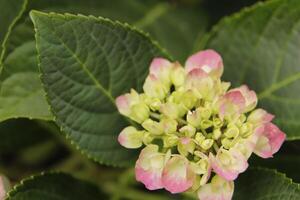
188 131
232 132
217 134
153 127
207 144
206 123
170 140
139 112
193 118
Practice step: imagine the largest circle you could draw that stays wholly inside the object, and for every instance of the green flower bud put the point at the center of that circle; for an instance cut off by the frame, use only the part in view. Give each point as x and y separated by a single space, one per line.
232 132
217 122
170 110
205 112
206 123
189 99
169 125
217 134
148 138
186 146
193 118
153 127
207 144
188 131
199 138
153 103
170 140
227 143
139 112
246 130
177 75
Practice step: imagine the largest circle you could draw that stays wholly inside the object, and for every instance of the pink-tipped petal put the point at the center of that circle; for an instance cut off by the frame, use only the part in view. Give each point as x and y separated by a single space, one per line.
249 96
149 167
157 66
123 105
209 61
218 189
260 116
131 138
151 179
270 141
228 164
231 104
178 175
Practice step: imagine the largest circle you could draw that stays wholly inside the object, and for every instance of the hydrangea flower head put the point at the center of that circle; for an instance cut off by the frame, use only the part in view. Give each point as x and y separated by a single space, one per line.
198 134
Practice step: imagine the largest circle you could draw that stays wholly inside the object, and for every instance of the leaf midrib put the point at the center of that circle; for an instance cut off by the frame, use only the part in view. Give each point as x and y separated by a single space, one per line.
84 68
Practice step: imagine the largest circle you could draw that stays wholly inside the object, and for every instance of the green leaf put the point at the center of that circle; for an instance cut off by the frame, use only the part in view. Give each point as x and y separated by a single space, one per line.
265 184
10 12
260 48
55 186
288 164
21 92
286 161
86 62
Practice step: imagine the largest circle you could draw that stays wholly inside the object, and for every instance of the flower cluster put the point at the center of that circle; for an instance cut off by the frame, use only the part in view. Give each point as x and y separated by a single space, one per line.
198 133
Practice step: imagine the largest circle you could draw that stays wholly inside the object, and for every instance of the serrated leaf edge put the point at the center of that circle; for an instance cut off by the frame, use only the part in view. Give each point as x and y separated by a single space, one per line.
124 25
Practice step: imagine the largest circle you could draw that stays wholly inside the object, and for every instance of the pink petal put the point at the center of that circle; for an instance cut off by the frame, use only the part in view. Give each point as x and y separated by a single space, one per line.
178 175
232 103
151 179
122 103
249 96
130 138
157 65
235 97
209 61
274 138
238 164
197 74
260 116
147 173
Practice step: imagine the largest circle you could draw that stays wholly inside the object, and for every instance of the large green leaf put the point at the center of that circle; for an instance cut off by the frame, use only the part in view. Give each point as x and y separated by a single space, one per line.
265 184
10 12
21 92
55 186
260 47
85 63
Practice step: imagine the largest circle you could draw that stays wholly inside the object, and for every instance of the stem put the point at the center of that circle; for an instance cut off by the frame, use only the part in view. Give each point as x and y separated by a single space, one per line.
216 147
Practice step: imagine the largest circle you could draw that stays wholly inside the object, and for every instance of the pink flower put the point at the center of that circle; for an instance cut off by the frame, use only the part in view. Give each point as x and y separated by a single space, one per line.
249 96
232 104
149 167
228 163
178 175
269 141
208 61
218 189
